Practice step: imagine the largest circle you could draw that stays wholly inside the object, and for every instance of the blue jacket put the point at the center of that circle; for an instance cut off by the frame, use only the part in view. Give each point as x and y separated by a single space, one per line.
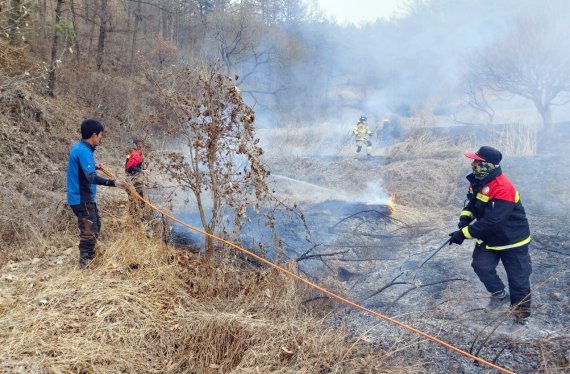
82 179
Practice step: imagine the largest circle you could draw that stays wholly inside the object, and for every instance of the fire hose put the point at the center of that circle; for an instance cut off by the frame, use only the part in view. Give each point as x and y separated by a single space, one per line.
331 294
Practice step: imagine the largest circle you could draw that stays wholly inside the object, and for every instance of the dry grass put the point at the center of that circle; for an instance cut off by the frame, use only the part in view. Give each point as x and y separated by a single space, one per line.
35 135
144 307
518 139
327 139
425 170
429 182
16 67
423 144
32 171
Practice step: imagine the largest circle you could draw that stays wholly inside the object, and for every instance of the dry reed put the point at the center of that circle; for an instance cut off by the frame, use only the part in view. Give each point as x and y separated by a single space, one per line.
144 307
425 170
518 139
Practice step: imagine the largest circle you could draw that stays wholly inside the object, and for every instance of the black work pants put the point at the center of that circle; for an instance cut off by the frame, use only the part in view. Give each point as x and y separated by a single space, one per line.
518 266
89 224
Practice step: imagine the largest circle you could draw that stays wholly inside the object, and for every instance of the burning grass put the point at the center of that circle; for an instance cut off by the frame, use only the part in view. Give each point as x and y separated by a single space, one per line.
145 308
425 170
433 182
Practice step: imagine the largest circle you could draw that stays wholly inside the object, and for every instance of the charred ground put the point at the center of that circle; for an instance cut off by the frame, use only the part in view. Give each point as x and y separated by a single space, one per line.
365 251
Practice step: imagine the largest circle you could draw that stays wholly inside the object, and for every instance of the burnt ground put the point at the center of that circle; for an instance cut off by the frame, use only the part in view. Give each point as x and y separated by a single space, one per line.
358 248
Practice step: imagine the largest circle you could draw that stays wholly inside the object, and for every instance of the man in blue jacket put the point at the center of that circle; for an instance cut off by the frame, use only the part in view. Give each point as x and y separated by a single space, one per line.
82 181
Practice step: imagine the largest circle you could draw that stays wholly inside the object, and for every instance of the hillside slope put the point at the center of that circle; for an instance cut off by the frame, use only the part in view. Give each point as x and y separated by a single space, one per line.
144 306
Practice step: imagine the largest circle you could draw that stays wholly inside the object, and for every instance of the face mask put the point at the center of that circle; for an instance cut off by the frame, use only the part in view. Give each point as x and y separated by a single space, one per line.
482 169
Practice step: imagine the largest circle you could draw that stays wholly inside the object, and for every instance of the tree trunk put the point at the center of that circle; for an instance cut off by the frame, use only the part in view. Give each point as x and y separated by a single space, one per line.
138 17
209 246
75 29
54 46
163 23
102 35
14 20
43 11
546 136
91 25
208 241
546 114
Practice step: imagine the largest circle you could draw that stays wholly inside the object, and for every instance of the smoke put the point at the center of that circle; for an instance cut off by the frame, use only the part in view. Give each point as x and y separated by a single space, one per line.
322 76
374 194
392 67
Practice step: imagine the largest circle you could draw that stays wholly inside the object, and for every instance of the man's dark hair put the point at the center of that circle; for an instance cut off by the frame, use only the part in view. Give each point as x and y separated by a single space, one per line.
90 127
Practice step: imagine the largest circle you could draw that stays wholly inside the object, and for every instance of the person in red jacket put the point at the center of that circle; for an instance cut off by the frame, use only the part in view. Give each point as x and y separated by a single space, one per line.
134 166
495 217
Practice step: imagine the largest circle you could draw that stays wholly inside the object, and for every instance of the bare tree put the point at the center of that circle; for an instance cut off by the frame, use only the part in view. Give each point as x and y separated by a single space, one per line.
54 46
90 15
103 16
138 17
231 35
43 17
477 99
75 28
15 16
532 62
221 165
283 11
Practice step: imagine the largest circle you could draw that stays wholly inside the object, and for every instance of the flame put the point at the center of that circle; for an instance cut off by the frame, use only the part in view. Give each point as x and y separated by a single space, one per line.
391 202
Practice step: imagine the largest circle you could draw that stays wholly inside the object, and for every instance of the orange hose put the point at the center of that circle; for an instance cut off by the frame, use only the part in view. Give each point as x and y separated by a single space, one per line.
317 287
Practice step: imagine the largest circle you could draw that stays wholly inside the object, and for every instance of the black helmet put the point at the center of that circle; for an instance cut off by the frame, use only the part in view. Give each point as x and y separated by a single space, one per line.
363 118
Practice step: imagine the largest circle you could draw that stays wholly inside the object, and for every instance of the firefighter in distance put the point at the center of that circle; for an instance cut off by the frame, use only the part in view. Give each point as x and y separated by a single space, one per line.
362 133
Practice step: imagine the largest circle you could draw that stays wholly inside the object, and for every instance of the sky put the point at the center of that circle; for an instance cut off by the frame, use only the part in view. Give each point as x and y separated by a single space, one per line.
361 11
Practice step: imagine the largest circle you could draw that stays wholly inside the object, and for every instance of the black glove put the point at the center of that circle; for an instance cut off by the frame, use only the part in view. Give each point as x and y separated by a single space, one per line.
456 237
463 222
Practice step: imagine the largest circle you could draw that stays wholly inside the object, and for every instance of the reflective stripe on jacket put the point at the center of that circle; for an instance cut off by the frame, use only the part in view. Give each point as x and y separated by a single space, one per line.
499 216
361 131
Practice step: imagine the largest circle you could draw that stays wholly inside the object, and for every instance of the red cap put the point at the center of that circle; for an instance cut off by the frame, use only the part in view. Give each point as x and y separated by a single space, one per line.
487 154
473 156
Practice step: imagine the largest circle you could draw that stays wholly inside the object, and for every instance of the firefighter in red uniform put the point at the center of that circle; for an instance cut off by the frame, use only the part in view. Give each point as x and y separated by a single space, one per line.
495 217
134 168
